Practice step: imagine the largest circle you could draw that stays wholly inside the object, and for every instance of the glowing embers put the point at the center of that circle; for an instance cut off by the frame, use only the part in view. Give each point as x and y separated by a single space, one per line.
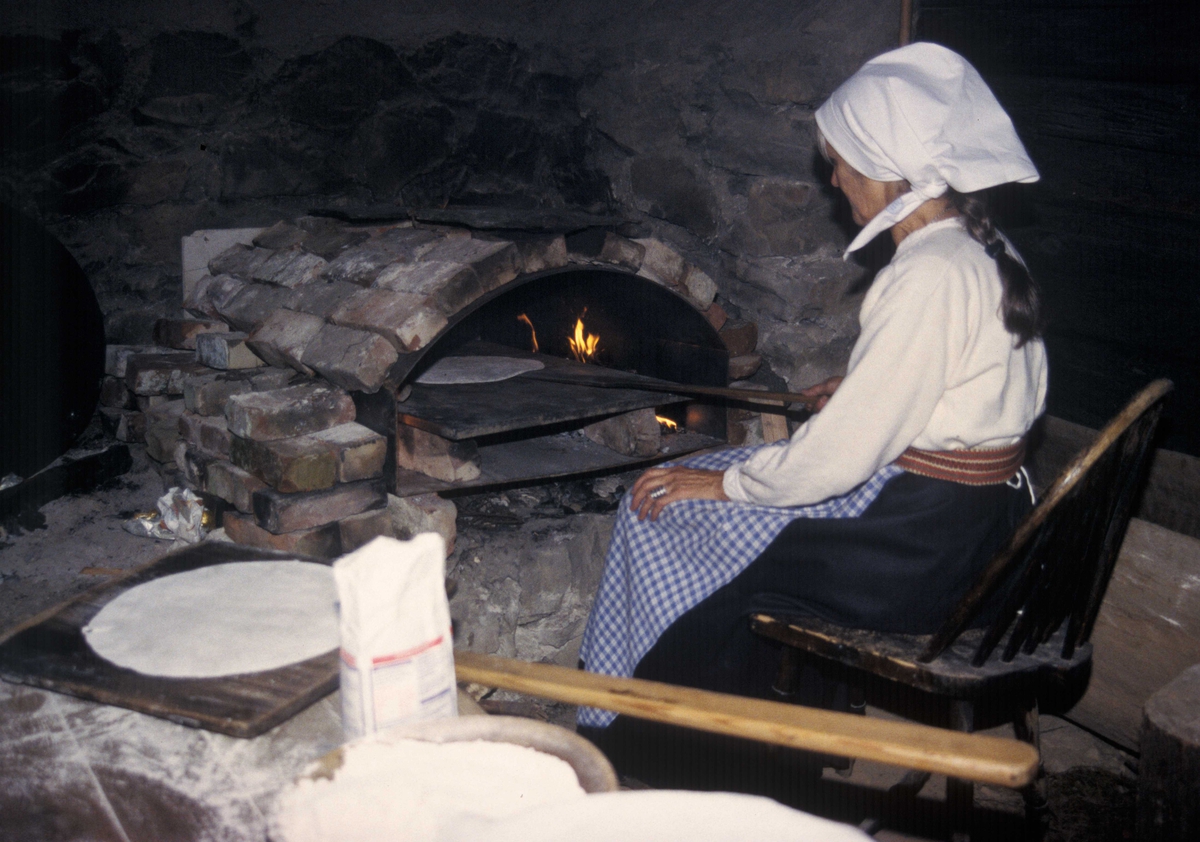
583 345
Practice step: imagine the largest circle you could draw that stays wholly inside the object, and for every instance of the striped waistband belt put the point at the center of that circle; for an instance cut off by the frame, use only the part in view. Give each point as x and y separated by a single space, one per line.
982 466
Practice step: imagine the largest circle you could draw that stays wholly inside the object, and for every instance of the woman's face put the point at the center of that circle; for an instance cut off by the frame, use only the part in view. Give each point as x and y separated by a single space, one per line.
867 197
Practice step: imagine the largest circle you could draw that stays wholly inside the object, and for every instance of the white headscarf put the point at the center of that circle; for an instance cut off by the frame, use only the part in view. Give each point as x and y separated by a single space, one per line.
922 114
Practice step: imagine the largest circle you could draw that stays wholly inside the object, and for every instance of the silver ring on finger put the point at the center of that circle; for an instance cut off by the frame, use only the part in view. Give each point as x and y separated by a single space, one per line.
661 491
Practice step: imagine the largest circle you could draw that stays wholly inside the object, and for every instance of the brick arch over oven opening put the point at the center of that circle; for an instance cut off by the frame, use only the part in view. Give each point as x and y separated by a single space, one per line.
643 326
363 305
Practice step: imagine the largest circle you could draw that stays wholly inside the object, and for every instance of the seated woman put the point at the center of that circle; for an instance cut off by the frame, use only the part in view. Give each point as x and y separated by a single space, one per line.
882 507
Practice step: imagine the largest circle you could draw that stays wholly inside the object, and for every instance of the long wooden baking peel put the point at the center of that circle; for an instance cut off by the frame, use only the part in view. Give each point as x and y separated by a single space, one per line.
974 757
611 379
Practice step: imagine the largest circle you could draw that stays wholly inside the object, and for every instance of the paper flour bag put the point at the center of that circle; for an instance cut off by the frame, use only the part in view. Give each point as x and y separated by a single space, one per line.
397 656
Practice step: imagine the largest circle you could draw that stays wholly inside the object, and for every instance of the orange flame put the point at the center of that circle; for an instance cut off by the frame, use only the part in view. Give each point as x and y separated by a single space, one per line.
583 346
532 332
666 422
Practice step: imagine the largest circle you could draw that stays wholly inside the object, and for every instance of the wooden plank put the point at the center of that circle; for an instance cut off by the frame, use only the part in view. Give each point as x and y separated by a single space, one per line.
1171 497
49 651
774 427
1092 39
1093 377
548 457
1156 117
1116 285
1148 630
609 379
971 756
1110 178
1168 809
1121 276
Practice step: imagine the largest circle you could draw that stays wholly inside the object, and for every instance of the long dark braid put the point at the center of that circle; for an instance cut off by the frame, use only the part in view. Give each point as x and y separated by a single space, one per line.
1024 315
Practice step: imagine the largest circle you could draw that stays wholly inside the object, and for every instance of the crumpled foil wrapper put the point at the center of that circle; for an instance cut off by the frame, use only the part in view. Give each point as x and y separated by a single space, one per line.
180 517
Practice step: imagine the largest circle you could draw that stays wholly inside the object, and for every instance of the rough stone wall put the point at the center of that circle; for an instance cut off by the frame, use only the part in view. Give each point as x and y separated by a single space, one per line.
526 592
127 126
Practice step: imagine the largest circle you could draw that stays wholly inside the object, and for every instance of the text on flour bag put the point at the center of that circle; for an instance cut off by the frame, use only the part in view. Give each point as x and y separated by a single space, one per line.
397 655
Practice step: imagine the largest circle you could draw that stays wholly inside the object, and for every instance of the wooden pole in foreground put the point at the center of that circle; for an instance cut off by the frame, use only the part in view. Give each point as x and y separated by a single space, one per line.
974 757
905 21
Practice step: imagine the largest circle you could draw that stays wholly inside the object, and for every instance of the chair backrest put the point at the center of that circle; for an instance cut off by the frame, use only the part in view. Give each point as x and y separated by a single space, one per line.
1061 556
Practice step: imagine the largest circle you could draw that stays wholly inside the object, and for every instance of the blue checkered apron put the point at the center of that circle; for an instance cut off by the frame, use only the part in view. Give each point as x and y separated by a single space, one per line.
655 571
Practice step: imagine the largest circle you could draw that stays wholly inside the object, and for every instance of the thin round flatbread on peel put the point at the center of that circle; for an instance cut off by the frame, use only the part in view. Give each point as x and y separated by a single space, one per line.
226 619
458 370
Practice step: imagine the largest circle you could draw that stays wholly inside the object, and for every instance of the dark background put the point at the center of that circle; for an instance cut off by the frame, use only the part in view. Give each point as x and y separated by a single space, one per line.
1104 95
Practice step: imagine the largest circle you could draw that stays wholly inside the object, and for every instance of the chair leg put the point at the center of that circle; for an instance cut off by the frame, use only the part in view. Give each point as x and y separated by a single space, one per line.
789 671
1027 729
858 700
960 794
908 787
787 685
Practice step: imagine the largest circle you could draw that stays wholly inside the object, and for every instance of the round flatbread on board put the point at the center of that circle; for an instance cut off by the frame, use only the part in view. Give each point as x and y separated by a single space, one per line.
458 370
227 619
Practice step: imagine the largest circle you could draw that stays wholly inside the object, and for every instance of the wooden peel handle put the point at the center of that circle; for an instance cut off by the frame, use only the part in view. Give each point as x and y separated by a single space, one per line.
754 396
974 757
610 379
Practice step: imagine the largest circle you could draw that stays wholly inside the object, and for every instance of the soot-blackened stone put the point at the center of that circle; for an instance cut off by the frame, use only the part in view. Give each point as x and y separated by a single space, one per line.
551 93
579 184
42 92
465 68
32 52
101 58
193 78
197 63
507 144
92 178
188 110
407 137
674 193
338 86
280 161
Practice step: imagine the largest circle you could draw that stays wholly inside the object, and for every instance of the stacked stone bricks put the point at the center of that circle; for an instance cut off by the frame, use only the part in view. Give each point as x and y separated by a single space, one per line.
344 303
301 474
297 472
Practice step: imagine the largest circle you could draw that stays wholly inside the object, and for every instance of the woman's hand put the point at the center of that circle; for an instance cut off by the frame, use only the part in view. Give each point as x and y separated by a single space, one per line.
823 391
660 486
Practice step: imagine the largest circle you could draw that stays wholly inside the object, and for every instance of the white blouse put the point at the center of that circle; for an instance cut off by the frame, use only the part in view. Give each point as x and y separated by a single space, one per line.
933 367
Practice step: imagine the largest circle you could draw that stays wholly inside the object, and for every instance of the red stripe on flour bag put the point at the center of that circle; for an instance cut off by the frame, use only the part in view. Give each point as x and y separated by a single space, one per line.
416 650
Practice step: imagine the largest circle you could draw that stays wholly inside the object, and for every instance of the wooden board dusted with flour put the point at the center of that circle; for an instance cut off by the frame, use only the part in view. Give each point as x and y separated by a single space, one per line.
49 651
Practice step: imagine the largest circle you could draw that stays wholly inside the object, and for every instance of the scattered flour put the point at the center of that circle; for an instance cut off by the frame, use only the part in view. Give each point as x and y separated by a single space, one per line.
660 816
411 790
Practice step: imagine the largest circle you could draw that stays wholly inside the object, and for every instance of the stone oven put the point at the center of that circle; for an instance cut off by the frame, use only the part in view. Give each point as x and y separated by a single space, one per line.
347 317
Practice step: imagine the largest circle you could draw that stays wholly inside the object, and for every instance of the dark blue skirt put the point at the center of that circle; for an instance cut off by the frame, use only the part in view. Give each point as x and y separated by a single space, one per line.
900 567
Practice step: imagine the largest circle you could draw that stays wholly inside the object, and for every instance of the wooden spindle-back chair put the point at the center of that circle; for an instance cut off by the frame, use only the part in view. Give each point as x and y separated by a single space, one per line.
1055 567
